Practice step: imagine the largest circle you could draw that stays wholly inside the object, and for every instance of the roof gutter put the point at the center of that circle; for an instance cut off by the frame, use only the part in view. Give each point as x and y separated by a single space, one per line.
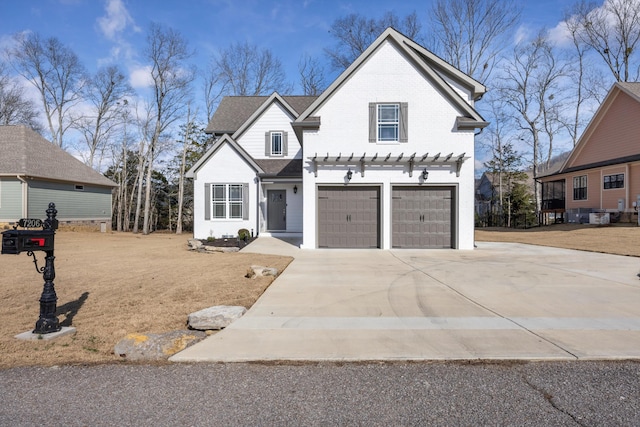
312 122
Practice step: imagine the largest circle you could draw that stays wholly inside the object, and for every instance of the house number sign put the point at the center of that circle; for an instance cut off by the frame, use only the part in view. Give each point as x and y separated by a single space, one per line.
30 223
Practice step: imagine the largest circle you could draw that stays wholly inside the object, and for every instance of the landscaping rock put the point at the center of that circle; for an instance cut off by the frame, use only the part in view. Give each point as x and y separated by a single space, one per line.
220 249
216 317
194 244
259 271
139 347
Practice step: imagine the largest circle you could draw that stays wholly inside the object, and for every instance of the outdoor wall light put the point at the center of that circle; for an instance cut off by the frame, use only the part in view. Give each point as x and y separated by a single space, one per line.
349 175
295 189
425 174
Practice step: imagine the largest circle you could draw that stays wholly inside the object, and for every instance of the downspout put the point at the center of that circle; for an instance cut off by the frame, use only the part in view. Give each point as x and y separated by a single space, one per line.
25 195
257 205
627 202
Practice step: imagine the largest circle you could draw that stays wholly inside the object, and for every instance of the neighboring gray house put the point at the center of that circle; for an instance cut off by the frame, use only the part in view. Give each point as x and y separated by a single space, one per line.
35 172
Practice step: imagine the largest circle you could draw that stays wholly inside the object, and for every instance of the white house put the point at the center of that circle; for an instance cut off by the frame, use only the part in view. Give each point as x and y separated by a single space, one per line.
251 177
383 158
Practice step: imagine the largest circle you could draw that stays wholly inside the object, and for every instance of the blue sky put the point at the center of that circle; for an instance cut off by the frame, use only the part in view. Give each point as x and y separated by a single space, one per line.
113 31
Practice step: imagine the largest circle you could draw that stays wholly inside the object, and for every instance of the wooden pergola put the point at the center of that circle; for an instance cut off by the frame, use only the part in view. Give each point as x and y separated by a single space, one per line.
413 161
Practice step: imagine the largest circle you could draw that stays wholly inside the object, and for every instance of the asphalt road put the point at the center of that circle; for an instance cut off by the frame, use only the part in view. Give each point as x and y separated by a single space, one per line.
437 394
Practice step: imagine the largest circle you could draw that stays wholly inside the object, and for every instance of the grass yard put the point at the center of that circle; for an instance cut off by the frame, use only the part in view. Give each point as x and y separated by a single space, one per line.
113 284
618 239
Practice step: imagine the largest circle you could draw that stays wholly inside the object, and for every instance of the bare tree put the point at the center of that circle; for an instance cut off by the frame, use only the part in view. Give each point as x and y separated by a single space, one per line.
107 94
144 126
354 33
312 78
168 52
213 87
183 164
244 69
56 72
530 87
15 107
613 31
581 95
472 33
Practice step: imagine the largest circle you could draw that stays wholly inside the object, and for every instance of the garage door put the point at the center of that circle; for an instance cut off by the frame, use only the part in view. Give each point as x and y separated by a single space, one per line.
349 217
422 217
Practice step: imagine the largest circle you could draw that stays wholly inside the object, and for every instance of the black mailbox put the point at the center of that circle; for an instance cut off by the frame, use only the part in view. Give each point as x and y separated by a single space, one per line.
16 241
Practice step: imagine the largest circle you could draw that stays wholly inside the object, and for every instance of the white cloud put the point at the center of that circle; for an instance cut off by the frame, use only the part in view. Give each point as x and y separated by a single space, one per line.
116 21
521 34
560 35
140 77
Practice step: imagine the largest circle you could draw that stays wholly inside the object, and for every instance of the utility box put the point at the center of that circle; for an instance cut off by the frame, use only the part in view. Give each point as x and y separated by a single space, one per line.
621 206
599 218
16 241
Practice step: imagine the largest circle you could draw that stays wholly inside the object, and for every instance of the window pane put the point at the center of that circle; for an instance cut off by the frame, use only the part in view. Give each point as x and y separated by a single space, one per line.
236 210
388 113
613 181
235 192
276 143
218 192
219 210
388 133
580 187
388 122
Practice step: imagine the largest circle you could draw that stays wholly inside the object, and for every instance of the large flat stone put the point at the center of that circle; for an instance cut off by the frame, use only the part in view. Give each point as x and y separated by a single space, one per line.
216 317
138 347
29 335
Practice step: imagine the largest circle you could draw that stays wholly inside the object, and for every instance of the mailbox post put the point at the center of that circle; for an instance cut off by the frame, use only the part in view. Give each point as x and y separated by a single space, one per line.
16 241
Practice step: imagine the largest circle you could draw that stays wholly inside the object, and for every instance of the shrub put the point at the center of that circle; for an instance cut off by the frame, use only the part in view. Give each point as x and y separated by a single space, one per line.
243 234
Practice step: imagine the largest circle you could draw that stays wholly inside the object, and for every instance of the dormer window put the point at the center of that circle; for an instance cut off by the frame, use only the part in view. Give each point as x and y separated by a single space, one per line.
275 143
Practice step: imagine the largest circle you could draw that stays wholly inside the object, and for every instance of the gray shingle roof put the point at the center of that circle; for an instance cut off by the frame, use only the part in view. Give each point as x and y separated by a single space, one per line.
281 168
234 111
24 152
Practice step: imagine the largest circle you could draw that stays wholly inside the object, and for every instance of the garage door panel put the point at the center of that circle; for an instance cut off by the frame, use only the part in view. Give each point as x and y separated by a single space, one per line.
422 217
351 217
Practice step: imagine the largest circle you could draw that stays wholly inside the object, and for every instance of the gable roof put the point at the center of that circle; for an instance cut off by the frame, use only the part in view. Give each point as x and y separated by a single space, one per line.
430 64
632 89
23 152
235 111
225 139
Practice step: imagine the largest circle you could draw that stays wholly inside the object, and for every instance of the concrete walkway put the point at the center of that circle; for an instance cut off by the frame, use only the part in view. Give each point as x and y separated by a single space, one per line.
500 301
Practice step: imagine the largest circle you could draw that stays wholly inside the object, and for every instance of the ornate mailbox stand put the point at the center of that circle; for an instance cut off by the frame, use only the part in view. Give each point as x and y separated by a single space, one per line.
16 241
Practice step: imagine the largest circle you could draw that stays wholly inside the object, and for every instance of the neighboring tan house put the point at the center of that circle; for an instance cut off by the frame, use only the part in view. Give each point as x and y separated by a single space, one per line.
35 172
602 173
383 158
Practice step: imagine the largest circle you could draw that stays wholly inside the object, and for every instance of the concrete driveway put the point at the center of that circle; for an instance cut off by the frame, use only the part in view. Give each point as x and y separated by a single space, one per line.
500 301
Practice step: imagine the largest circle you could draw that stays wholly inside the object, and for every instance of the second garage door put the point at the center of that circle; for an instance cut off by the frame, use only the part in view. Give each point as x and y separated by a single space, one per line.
349 217
422 217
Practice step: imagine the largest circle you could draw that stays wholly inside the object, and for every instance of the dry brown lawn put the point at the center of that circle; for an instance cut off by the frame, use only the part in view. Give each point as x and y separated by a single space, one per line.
618 239
113 284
